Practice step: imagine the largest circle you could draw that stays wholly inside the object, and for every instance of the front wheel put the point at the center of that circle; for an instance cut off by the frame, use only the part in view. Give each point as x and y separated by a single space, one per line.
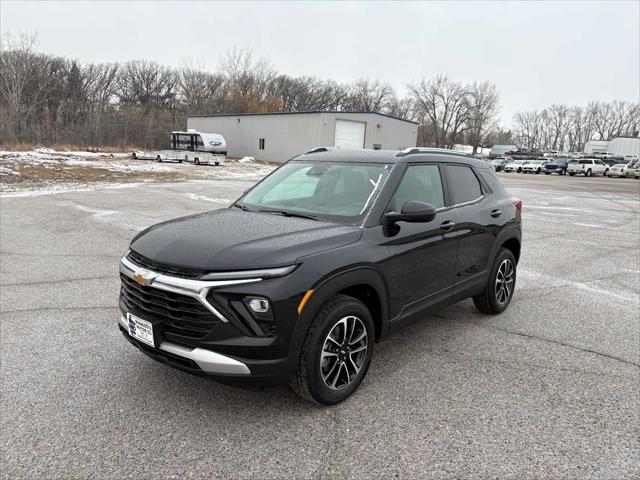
588 173
538 172
498 292
571 174
196 161
336 352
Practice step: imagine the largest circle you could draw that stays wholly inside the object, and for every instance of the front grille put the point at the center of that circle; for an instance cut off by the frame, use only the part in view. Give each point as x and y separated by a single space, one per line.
180 314
163 268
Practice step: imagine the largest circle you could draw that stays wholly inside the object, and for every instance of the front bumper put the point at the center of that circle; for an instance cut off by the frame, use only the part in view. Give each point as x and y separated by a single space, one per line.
208 361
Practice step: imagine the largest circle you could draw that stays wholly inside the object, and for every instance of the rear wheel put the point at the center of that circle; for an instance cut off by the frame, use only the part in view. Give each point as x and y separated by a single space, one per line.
336 352
196 161
588 173
498 292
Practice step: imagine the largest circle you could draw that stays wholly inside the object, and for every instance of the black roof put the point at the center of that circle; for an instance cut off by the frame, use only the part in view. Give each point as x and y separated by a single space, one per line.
323 154
299 113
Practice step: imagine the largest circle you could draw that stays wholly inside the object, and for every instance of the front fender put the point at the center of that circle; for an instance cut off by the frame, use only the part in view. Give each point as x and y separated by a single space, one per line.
334 283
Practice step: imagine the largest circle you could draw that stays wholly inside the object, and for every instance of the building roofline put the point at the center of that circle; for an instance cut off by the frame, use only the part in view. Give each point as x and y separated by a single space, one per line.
305 112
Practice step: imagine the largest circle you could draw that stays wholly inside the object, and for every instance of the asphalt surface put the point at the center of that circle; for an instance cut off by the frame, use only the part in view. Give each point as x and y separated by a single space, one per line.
548 389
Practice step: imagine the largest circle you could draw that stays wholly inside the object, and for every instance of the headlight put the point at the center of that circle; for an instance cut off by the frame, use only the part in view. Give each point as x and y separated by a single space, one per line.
215 144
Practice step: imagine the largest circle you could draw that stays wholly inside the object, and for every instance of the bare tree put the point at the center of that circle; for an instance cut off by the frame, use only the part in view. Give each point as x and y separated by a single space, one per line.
445 105
483 112
24 82
370 96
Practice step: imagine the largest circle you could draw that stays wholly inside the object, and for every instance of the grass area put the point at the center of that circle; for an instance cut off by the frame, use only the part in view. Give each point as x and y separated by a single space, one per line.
62 147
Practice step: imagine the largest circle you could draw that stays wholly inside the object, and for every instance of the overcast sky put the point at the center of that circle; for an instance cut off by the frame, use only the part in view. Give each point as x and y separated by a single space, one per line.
536 53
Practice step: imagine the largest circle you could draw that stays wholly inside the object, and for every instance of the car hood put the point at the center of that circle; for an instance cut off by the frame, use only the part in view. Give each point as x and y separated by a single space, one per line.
233 239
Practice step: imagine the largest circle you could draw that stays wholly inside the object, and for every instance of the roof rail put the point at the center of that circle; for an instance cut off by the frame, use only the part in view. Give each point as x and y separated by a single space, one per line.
416 150
320 149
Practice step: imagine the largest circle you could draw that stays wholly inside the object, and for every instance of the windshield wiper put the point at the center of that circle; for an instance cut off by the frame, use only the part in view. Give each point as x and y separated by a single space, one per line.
242 206
286 213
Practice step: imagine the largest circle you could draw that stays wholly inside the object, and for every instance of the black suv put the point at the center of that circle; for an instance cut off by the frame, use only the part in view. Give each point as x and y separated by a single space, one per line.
296 281
558 165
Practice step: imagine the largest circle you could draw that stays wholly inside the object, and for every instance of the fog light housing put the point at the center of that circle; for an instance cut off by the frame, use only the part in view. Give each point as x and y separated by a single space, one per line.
258 305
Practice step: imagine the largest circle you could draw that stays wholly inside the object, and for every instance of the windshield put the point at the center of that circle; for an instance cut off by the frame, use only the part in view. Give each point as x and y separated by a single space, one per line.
339 192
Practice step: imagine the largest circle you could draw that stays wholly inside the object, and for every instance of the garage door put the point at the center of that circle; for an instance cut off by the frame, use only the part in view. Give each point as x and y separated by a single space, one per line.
349 134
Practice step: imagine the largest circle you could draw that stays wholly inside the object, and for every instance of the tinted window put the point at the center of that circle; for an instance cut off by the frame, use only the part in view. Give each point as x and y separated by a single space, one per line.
464 184
585 162
421 183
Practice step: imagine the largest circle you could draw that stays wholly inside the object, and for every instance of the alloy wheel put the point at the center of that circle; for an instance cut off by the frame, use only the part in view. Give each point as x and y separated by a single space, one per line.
505 278
343 353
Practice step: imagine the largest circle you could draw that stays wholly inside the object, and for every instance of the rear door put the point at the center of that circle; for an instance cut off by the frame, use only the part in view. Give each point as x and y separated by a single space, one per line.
479 219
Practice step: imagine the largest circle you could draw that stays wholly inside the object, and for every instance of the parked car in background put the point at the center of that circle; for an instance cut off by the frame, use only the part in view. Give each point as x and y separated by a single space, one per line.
515 166
534 166
621 170
614 161
588 167
557 165
499 163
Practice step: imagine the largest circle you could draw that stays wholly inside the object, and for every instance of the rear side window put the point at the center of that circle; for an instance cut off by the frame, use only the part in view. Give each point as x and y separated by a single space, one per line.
421 183
585 162
464 184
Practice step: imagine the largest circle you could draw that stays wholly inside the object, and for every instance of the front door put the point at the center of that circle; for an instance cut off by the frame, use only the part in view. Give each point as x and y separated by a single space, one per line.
419 270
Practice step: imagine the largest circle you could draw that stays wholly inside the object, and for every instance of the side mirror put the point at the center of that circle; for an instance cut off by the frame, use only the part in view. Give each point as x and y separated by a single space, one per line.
412 211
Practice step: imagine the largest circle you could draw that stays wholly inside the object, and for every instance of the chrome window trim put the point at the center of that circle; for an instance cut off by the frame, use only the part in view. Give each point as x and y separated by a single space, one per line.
197 289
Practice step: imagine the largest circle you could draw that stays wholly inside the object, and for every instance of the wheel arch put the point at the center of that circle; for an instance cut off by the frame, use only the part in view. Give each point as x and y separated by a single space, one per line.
511 239
365 283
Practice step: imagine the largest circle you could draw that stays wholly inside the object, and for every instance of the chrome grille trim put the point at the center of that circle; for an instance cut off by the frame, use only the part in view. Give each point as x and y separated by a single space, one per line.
197 289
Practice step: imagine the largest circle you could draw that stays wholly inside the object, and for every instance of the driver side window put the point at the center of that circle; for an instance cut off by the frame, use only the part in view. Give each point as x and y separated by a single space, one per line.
422 183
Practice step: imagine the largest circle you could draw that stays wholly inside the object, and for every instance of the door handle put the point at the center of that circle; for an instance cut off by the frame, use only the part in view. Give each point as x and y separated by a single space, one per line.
448 225
496 213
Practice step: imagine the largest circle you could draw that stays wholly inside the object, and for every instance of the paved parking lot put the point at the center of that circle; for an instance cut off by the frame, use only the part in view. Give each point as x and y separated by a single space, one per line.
549 389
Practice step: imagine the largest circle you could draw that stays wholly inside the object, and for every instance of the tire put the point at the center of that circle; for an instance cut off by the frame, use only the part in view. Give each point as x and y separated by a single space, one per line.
311 379
134 156
216 163
519 170
494 299
588 173
605 172
538 172
547 173
158 158
571 174
196 161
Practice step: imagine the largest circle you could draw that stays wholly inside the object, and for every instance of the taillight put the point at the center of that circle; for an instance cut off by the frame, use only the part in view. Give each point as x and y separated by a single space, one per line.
518 204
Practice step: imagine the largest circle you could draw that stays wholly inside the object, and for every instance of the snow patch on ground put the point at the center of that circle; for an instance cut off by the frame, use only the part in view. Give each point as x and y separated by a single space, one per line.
45 171
66 188
193 196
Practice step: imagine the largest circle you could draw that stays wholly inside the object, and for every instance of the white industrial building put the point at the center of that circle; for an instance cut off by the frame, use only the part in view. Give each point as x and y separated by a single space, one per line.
620 146
277 137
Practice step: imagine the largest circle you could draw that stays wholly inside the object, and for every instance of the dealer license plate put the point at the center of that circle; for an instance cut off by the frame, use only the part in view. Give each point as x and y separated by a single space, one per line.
140 329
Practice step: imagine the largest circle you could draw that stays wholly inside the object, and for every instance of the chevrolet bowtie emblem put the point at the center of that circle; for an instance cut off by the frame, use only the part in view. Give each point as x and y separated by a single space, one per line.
144 277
